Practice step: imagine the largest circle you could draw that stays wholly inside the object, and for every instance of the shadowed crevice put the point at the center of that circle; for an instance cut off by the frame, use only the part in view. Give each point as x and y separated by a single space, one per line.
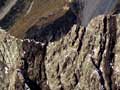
33 59
110 53
103 37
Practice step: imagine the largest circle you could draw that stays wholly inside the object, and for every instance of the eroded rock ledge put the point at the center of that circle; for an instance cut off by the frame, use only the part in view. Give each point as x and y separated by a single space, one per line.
83 59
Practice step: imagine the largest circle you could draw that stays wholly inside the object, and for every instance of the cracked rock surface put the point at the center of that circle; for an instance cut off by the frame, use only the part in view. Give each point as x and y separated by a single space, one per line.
81 59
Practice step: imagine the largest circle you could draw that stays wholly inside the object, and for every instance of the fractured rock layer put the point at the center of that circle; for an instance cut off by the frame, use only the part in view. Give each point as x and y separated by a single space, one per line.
81 59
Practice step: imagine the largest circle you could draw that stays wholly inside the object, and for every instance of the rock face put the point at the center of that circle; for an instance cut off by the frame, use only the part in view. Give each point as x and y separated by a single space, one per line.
62 54
80 59
9 56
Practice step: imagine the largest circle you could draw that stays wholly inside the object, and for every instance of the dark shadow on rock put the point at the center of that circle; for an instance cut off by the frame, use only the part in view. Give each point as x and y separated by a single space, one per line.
32 85
54 31
34 63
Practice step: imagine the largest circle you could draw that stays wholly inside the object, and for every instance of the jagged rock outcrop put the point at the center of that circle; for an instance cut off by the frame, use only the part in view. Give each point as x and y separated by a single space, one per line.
79 59
9 56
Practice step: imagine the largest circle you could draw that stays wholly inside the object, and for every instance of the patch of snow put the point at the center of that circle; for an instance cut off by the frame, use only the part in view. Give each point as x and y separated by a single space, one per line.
26 87
6 70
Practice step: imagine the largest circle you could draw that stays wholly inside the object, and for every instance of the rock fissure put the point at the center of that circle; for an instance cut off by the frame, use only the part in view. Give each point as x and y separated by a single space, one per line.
77 35
99 59
81 40
110 53
32 66
103 37
100 74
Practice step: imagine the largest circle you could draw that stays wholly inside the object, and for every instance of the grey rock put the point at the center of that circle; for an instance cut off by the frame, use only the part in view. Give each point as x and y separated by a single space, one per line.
84 59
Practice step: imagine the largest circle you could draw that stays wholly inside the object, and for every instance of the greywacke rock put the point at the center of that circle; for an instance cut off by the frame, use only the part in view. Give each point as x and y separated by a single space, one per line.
83 59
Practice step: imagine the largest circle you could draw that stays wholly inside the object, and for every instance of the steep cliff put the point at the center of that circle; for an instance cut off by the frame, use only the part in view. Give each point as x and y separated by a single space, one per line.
81 59
63 55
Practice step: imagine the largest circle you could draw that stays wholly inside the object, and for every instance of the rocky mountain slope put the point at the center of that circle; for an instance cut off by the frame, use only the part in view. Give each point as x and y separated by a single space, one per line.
83 59
63 55
23 14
